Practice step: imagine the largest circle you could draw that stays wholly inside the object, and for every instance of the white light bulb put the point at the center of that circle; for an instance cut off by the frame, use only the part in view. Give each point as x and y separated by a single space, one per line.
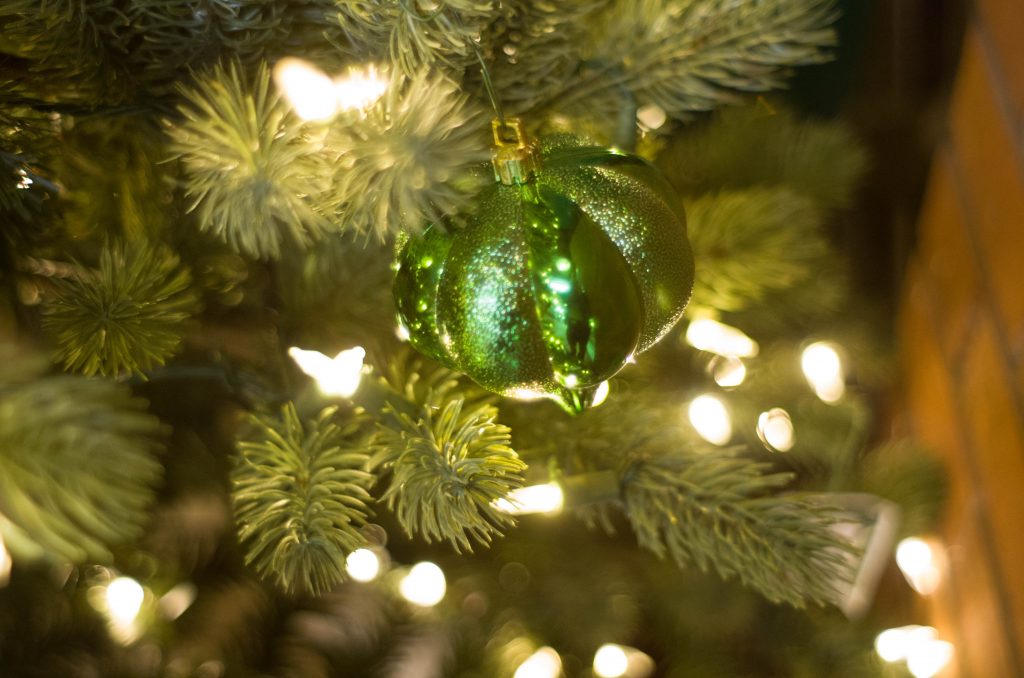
919 564
544 663
728 371
610 661
711 419
124 600
362 565
651 116
5 563
547 498
337 376
310 92
928 658
424 585
174 603
823 368
710 335
360 88
775 429
896 644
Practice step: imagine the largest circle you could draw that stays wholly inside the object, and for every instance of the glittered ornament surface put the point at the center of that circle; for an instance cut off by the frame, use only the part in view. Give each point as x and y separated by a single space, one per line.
556 282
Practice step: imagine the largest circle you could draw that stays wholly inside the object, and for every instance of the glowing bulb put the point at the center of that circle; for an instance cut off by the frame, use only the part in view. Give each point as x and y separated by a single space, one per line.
25 181
124 600
651 116
893 645
710 335
360 88
919 565
610 661
929 657
547 498
775 429
363 565
337 376
728 371
424 585
174 603
544 663
5 563
402 332
310 92
710 417
824 370
601 394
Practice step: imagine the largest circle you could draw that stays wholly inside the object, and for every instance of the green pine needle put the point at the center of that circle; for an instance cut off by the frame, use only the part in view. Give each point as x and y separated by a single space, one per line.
747 243
250 169
717 512
77 467
414 34
449 467
409 160
767 145
300 496
693 56
125 318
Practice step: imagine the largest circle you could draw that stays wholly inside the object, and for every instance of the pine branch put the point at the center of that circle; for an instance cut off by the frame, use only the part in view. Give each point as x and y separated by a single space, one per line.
767 145
717 512
747 243
125 318
692 55
77 465
416 34
300 497
450 461
409 160
251 170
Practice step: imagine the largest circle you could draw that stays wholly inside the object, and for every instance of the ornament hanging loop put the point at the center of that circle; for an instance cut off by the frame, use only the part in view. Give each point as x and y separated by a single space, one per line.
514 157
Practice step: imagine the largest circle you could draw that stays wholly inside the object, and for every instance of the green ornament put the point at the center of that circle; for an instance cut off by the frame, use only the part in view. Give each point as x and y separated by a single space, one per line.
573 263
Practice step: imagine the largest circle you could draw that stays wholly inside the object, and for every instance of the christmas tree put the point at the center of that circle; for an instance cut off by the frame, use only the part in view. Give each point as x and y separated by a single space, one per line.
408 338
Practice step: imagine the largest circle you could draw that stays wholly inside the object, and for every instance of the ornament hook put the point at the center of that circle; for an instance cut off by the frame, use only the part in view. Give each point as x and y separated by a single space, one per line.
514 157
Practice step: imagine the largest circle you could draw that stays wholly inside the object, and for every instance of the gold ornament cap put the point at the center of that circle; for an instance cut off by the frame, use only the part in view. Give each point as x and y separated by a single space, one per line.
514 157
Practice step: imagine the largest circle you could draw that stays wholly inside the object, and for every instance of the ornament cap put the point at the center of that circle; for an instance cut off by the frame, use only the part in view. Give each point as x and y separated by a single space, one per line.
514 157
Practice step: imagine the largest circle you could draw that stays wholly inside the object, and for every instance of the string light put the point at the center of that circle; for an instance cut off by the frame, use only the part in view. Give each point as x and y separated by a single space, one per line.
315 96
174 603
307 88
823 368
337 376
927 659
124 600
610 661
728 371
919 564
894 645
362 565
710 335
544 663
710 417
547 498
5 563
424 585
775 429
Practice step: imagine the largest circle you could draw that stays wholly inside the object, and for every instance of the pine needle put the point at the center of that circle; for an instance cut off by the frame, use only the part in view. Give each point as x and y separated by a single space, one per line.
251 171
718 512
300 497
77 465
449 465
125 318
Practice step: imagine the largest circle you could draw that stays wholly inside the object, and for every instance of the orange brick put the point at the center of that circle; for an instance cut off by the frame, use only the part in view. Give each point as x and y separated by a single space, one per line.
1004 23
928 390
995 191
982 647
997 443
946 255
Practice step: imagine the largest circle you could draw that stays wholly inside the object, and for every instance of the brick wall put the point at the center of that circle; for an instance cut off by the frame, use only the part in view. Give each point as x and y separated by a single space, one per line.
962 345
